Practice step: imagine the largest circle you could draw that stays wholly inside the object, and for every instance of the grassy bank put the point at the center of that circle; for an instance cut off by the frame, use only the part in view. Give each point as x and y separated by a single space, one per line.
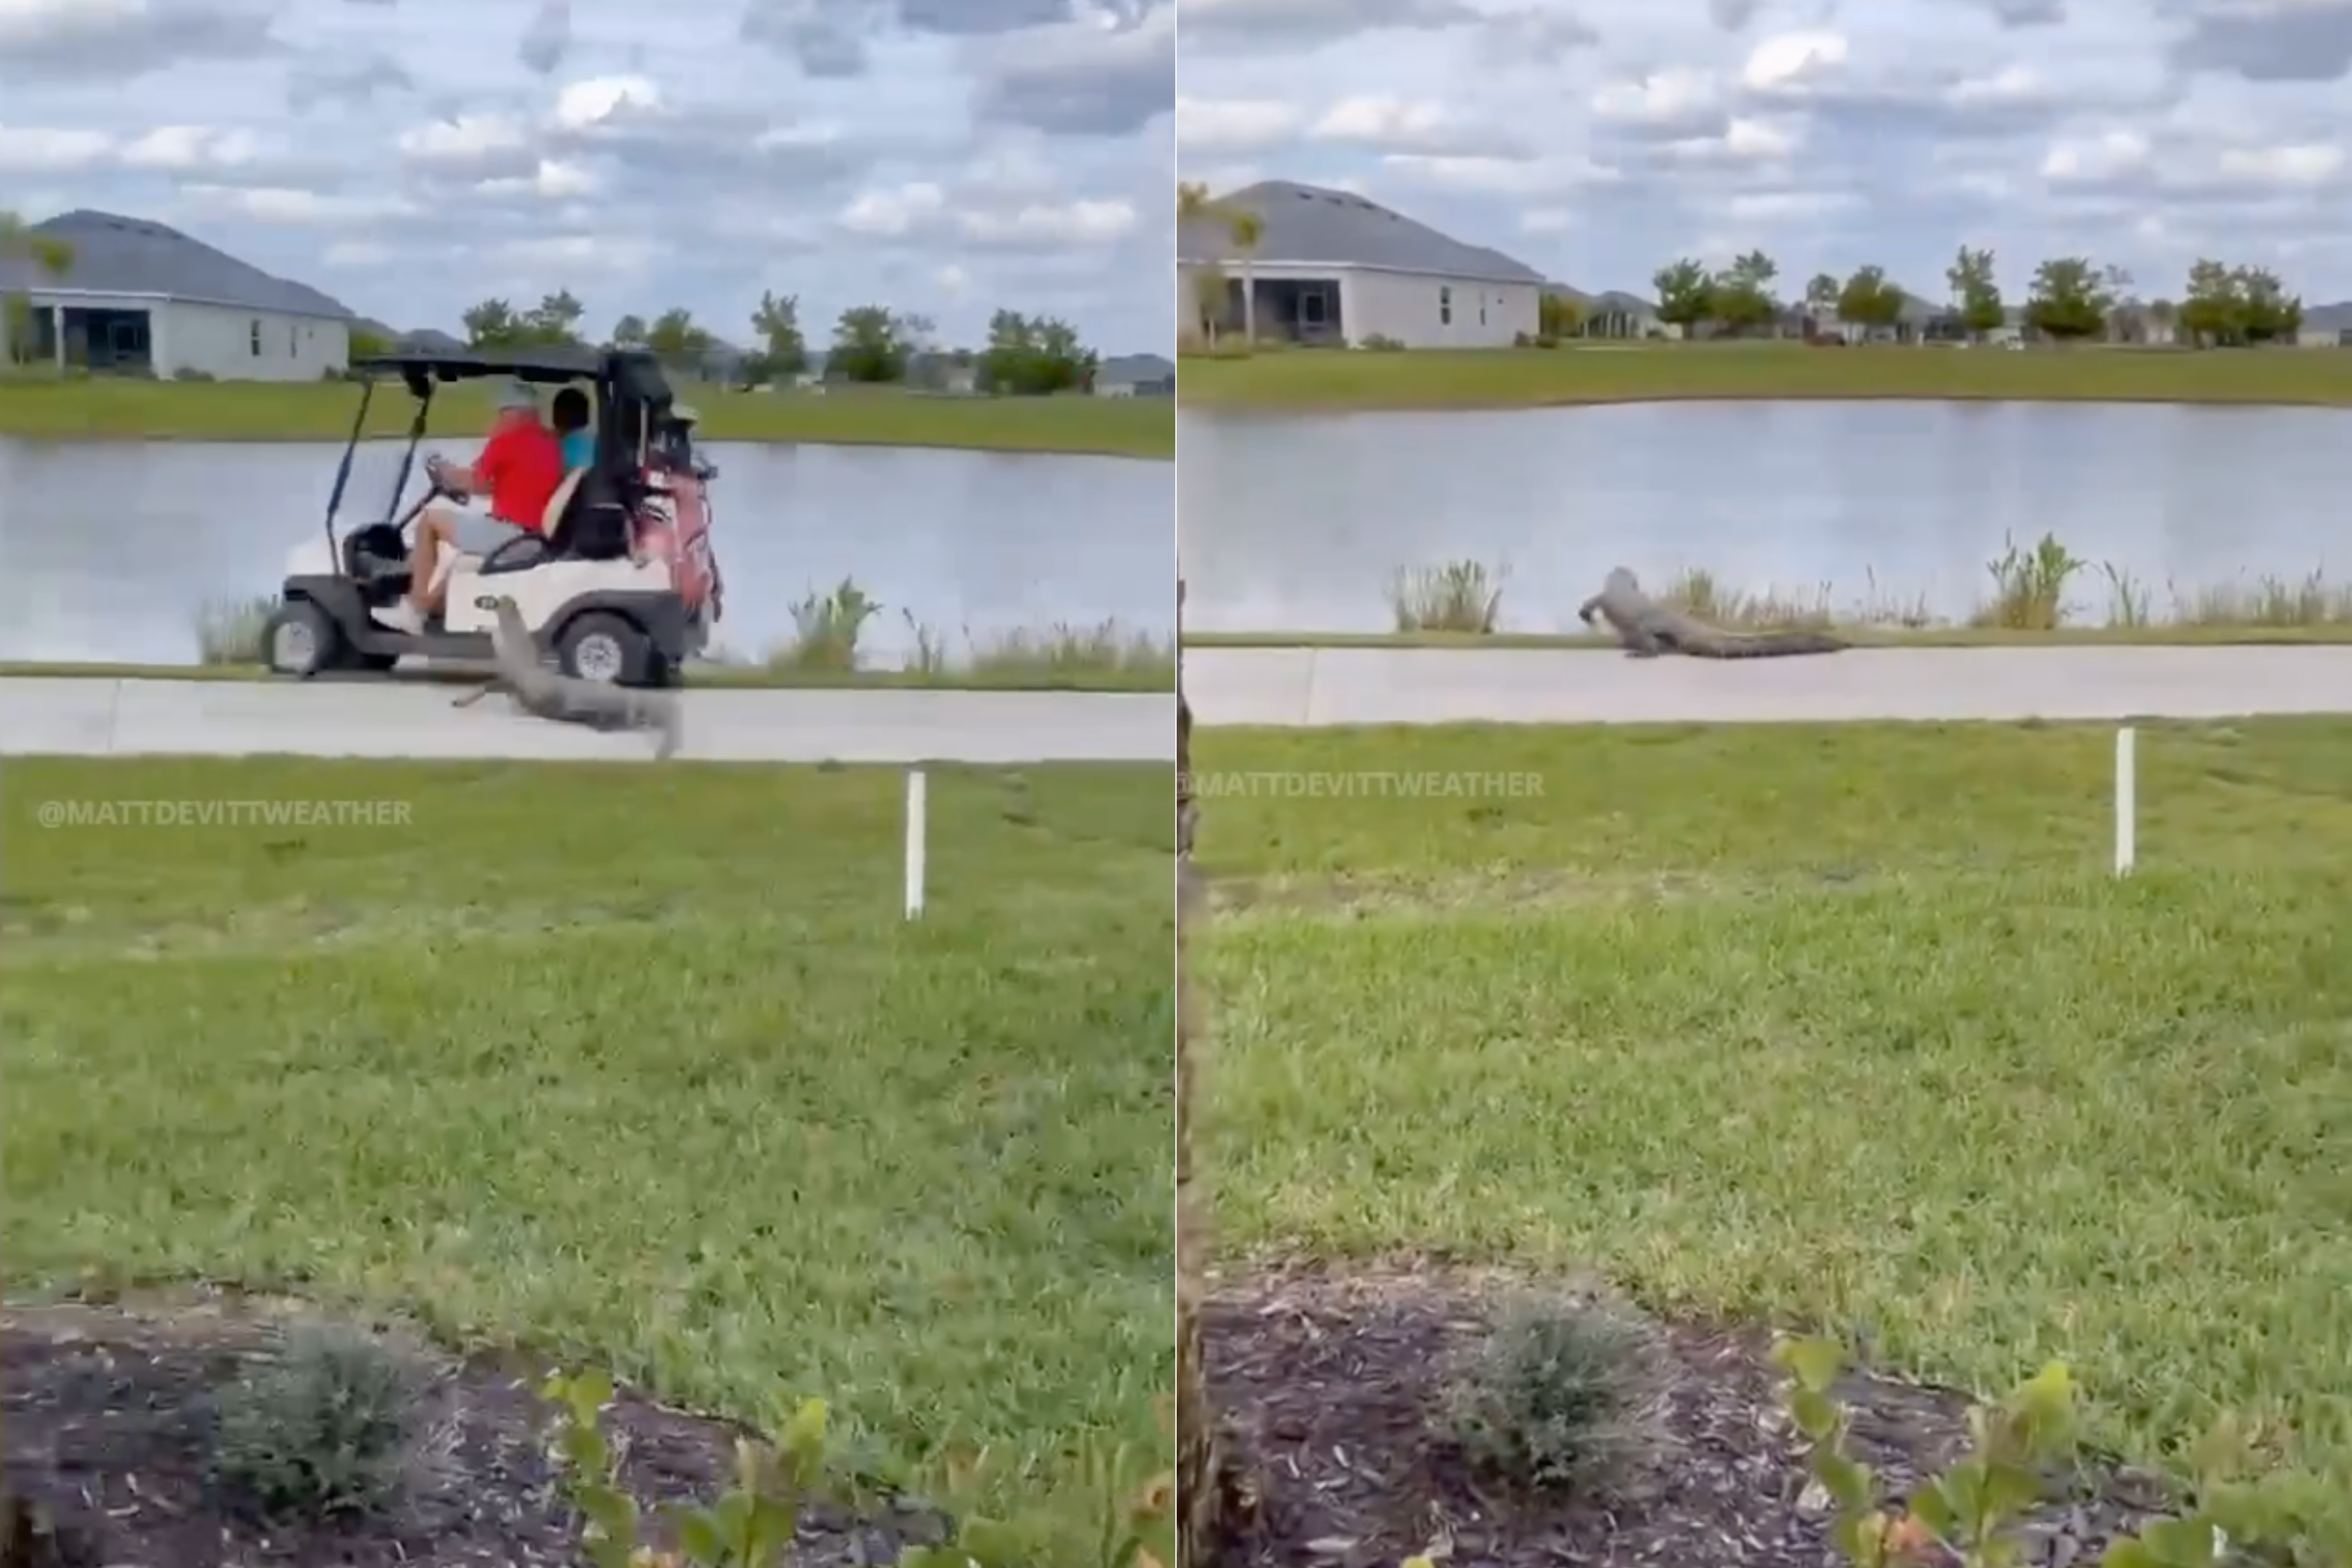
644 1069
117 408
1602 373
1841 1026
2040 595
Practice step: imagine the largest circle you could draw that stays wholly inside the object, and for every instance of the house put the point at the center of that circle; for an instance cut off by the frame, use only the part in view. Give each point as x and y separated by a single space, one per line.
1612 314
141 298
1331 268
430 341
2326 327
1135 376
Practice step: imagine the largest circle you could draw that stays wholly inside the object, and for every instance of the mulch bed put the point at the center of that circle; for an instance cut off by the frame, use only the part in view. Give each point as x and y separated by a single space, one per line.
1330 1388
106 1423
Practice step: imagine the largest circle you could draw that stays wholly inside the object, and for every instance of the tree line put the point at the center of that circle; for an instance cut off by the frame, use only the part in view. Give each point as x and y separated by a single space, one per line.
2071 297
870 343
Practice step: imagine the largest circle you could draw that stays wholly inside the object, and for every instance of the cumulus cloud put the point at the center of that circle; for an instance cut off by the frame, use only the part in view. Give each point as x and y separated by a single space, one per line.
1597 141
993 153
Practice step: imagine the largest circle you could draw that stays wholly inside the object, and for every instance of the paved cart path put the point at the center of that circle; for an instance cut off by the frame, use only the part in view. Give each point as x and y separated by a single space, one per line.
88 716
1296 688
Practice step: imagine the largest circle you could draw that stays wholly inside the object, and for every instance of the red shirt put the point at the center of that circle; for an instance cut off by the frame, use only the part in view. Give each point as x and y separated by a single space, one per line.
522 463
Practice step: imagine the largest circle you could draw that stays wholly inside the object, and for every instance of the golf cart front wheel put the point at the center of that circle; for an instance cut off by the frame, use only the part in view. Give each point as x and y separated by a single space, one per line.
605 648
301 639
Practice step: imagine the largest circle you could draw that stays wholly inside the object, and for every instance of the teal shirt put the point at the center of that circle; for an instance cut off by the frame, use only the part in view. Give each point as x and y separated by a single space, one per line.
579 449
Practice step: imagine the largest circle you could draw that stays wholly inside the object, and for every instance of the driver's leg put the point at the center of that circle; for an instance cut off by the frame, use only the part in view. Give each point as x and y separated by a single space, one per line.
432 531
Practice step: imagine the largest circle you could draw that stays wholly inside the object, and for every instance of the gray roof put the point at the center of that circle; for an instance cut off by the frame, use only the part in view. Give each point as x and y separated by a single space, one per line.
1309 224
2328 318
430 341
133 256
1604 302
1135 367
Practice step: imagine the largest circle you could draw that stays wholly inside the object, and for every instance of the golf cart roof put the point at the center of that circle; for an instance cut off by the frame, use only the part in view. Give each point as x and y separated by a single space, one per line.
634 369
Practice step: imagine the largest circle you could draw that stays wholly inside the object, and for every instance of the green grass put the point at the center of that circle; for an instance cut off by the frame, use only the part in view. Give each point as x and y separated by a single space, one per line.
1847 1026
1517 378
640 1067
124 408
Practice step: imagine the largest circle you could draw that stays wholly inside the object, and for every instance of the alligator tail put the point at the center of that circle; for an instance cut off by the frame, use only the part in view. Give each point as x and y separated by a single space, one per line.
1769 644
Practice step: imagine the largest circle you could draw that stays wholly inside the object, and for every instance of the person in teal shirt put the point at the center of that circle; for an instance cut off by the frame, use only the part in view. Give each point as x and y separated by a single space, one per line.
572 424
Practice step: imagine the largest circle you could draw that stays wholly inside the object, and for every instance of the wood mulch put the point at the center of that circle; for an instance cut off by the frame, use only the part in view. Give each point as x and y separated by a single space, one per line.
1329 1387
107 1418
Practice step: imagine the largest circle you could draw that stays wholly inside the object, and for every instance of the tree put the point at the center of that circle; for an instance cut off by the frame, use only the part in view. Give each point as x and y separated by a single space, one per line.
1212 293
1821 295
1740 295
553 322
673 339
1685 298
629 332
1558 316
867 347
1870 298
2070 300
366 343
2237 305
492 325
1244 229
1976 297
54 258
1033 357
778 323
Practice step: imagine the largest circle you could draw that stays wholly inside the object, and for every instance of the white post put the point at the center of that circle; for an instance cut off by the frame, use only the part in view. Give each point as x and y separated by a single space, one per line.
916 795
2127 801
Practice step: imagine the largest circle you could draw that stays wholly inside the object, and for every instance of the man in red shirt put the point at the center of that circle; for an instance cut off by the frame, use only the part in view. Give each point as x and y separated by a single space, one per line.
519 469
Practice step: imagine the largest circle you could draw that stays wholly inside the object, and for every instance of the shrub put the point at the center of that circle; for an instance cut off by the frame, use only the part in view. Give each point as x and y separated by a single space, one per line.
1459 596
1380 343
1558 1397
1973 1511
326 1427
754 1522
826 629
2030 589
190 372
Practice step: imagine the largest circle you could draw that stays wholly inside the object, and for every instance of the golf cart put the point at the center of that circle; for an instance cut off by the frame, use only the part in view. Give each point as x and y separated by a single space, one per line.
619 585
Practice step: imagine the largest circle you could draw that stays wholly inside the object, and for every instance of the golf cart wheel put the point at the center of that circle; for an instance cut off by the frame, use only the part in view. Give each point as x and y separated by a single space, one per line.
301 639
604 648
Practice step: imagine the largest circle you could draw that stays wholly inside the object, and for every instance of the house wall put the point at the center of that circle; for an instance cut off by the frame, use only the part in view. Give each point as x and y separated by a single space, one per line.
218 340
1409 308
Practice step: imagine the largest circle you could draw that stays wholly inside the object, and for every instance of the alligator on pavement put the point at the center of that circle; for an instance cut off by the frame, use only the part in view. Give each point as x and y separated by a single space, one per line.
537 690
1647 629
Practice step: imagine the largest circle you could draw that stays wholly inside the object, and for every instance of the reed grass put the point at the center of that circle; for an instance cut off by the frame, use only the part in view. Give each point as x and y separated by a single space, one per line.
230 631
2035 588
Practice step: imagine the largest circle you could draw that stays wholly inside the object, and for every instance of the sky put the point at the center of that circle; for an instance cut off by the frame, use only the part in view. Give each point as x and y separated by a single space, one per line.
412 157
1598 139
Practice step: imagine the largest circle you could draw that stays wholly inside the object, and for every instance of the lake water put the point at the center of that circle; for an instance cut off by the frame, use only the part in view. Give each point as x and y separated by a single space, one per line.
1300 523
109 550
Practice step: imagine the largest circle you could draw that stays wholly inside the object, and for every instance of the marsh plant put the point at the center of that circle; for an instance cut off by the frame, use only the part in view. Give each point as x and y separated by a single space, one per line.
1559 1396
229 631
327 1426
1459 596
2028 587
826 628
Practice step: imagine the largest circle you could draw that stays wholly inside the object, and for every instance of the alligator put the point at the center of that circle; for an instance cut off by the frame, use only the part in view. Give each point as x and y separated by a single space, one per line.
1648 628
536 688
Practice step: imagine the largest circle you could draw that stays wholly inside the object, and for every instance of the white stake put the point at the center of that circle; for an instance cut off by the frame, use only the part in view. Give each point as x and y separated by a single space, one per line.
916 795
2127 801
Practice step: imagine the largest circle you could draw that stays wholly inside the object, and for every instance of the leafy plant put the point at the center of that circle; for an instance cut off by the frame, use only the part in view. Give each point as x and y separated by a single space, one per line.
1558 1398
2029 587
754 1522
328 1427
1974 1509
826 626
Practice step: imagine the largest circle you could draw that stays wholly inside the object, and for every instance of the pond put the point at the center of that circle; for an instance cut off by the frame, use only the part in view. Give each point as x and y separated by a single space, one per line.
109 551
1301 522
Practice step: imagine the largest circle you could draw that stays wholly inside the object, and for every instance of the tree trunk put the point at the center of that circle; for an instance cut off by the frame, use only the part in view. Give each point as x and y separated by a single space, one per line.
1249 305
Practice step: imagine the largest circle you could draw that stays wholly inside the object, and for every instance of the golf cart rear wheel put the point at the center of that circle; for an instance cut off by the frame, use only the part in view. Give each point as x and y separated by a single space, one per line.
605 649
301 639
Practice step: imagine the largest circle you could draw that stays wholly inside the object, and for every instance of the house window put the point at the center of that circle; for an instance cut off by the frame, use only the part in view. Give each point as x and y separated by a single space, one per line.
1445 307
254 337
1312 308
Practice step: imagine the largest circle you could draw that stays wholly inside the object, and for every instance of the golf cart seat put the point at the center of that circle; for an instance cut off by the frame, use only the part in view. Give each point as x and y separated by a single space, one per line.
531 550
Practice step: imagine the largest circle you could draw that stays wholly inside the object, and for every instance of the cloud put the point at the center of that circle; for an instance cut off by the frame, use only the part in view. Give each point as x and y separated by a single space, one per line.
410 164
1596 141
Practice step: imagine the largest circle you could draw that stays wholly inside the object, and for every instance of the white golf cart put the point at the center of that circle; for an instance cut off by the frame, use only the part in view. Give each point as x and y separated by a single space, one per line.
618 585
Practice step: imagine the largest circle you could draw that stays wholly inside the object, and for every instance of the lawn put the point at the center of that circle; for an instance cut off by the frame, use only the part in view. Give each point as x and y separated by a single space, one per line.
1848 1026
129 409
1512 378
641 1068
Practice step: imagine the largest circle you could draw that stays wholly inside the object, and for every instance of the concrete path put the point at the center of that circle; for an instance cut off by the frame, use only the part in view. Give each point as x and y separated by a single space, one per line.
1311 686
81 716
